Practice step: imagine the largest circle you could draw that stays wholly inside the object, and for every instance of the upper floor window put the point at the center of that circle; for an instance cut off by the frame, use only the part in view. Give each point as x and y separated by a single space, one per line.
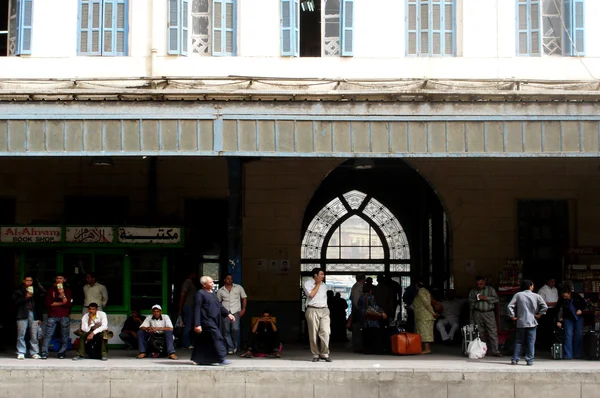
315 28
550 27
103 27
431 28
213 31
15 27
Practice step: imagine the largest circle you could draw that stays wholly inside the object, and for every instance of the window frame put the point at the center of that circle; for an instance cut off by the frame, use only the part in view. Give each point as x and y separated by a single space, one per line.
567 34
442 31
101 52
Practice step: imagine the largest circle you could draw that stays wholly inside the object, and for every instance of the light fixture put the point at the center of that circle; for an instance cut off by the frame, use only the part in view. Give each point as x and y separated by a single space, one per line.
102 161
308 5
363 164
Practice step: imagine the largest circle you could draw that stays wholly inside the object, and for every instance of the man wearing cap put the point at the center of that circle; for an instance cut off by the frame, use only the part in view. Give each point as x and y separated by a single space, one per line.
156 324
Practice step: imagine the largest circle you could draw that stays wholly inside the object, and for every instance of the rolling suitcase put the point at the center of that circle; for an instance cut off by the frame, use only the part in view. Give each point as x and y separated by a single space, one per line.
469 333
591 345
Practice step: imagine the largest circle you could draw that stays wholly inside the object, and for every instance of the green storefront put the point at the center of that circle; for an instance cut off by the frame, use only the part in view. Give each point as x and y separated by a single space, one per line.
132 262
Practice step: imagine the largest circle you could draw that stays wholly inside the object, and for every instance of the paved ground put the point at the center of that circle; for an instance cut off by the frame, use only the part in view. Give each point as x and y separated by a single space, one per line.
447 359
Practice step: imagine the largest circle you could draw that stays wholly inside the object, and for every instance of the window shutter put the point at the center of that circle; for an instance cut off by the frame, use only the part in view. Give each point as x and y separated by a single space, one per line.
224 27
289 28
185 24
24 27
173 35
574 36
121 27
90 37
448 16
412 41
347 13
535 27
108 27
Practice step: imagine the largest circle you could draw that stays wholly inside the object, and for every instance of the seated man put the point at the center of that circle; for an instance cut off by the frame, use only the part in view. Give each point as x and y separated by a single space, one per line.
264 339
130 329
156 325
450 316
91 338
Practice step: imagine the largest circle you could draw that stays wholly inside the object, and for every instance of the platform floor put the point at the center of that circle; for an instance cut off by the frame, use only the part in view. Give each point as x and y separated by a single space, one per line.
298 357
445 374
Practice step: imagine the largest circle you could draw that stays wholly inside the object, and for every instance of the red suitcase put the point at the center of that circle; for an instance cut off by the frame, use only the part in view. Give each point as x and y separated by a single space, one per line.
406 344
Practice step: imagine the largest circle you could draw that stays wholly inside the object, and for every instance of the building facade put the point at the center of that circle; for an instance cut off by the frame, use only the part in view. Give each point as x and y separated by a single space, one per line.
426 139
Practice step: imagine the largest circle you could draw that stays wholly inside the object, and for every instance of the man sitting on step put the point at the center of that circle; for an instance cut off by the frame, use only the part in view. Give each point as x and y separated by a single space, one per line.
264 339
91 337
156 326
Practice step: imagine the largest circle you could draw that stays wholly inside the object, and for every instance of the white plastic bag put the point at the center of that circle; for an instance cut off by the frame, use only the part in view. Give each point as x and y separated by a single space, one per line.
179 323
477 349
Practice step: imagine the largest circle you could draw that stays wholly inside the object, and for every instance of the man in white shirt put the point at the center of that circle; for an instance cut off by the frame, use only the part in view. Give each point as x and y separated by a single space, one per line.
93 325
317 315
94 292
546 328
234 299
156 325
450 316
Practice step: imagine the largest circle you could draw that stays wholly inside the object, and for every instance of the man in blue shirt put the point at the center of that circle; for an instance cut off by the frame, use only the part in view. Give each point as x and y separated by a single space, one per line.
529 308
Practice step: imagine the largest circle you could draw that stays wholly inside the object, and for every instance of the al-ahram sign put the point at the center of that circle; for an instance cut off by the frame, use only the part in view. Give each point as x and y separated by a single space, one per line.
30 234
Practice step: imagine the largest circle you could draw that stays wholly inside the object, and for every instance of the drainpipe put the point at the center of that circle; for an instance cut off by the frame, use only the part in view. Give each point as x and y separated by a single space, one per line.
153 19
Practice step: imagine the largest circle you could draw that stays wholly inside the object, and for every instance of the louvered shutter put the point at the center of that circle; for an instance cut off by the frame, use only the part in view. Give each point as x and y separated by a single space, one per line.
90 35
448 34
347 14
412 24
114 27
288 28
574 35
185 26
224 27
174 32
296 27
535 22
24 27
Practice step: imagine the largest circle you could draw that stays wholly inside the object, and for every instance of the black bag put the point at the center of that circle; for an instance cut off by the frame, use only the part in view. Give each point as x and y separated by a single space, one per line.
156 344
591 345
559 336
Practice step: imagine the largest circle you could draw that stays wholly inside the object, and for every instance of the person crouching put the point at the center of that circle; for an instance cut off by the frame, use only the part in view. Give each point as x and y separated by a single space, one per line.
93 325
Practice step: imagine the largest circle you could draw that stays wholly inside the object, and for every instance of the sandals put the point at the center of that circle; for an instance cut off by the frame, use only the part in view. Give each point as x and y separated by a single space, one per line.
247 355
141 355
275 355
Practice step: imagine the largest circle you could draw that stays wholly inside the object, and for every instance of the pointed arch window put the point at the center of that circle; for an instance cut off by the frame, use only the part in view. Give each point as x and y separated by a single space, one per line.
355 232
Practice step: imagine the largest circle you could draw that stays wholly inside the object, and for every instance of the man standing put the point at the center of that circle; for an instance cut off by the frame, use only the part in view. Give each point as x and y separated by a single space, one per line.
28 317
234 299
530 307
483 300
186 307
451 316
408 298
158 325
550 295
317 315
357 292
94 292
58 302
130 329
209 348
93 324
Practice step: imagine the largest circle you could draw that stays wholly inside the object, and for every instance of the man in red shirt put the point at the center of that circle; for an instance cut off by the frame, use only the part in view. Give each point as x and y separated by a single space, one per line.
58 302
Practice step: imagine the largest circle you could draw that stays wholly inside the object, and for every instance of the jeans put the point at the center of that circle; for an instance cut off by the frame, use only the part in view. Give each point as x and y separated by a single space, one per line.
188 322
231 332
143 339
22 325
573 338
51 324
525 336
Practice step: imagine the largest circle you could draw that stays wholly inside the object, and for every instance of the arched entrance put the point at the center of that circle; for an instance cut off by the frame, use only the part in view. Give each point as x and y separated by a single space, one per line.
380 220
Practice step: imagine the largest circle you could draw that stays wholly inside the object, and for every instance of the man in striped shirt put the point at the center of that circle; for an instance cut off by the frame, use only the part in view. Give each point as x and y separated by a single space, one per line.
483 300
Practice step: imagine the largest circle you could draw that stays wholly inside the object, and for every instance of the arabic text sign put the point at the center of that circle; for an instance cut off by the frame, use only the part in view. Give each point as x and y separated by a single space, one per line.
150 235
30 234
89 235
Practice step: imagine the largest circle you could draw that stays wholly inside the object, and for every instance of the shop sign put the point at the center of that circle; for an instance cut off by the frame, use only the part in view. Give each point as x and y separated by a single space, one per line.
30 234
149 235
89 235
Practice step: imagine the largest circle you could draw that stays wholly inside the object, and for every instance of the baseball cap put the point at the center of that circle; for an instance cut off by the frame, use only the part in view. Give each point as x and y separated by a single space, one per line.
156 307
